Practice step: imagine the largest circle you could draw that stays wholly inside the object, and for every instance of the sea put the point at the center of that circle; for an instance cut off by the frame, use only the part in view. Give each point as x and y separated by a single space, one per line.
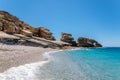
81 64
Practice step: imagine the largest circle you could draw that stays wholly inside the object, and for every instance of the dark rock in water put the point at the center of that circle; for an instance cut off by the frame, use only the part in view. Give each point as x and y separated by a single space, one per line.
68 38
86 42
44 33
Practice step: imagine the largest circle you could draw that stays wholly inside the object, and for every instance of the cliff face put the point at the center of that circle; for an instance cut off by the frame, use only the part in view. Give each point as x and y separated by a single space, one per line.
68 38
12 25
86 42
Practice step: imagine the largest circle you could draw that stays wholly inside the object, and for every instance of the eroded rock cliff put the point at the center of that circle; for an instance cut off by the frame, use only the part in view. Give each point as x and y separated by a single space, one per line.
44 33
86 42
12 25
68 38
25 34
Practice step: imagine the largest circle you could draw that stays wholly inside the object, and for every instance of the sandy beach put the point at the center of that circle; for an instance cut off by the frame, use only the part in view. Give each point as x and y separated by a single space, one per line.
16 55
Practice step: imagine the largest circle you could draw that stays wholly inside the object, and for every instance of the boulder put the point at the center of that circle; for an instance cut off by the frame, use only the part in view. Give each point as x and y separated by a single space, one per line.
68 38
86 42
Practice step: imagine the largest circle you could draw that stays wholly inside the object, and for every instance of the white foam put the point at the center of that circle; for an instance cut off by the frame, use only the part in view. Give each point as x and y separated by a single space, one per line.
25 72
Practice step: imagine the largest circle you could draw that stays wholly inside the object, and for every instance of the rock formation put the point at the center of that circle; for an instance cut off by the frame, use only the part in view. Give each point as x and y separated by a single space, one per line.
86 42
44 33
18 32
68 38
12 25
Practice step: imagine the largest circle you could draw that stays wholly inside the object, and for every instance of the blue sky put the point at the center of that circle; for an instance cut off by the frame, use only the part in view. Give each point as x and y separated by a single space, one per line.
97 19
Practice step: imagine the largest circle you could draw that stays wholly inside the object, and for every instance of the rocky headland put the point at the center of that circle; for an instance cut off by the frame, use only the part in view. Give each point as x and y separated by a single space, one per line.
15 31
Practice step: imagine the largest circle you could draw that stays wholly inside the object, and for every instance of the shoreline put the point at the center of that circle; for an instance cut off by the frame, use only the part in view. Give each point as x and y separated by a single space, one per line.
19 55
30 70
26 71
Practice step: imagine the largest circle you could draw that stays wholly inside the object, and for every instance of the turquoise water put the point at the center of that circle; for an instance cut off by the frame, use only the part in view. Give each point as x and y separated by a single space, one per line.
85 64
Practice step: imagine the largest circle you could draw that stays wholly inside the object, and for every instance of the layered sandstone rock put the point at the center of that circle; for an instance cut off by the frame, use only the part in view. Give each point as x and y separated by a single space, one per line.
44 33
68 38
11 24
86 42
27 35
